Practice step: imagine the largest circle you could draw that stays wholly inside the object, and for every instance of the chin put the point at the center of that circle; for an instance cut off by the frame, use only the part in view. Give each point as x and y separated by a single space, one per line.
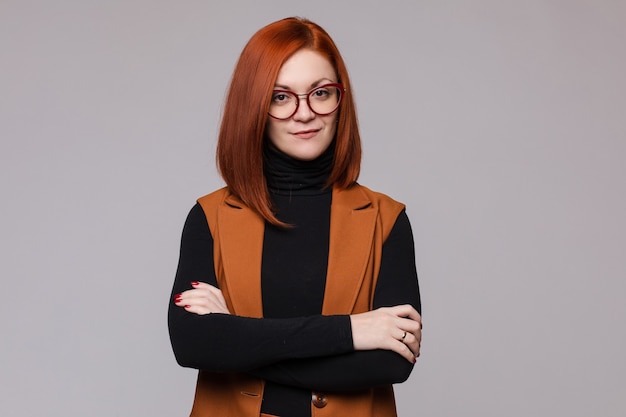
305 154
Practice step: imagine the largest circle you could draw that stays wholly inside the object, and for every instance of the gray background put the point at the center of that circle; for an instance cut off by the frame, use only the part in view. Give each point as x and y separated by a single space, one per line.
501 125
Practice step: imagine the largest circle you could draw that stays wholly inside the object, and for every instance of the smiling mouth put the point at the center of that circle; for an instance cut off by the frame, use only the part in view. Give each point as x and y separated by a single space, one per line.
306 134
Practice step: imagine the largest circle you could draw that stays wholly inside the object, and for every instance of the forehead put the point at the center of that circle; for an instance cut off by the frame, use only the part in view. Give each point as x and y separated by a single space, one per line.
305 68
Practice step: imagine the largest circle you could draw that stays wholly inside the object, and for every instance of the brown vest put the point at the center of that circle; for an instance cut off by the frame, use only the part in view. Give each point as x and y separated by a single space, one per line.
360 221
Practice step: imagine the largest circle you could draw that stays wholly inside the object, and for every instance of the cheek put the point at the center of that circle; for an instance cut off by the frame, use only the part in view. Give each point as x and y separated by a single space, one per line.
331 125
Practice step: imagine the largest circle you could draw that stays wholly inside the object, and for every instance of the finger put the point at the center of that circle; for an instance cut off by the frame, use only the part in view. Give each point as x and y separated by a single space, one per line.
201 293
210 302
406 347
409 326
197 293
201 306
213 298
197 284
413 336
412 343
185 298
208 287
212 290
193 293
407 311
195 309
412 328
404 351
202 297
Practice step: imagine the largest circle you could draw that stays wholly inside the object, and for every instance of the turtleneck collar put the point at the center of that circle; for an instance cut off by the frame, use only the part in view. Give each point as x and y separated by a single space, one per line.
287 176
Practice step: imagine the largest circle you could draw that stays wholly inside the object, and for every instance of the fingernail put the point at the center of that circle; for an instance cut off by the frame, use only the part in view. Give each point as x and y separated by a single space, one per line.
194 283
177 298
187 306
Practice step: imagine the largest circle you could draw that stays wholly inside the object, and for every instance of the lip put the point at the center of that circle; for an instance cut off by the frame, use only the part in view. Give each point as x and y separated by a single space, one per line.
306 134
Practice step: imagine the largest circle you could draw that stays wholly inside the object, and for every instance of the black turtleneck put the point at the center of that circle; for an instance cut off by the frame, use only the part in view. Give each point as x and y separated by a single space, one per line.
294 264
295 259
294 348
286 176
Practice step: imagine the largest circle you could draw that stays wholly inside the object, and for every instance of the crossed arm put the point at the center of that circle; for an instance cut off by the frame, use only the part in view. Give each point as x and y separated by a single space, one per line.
318 352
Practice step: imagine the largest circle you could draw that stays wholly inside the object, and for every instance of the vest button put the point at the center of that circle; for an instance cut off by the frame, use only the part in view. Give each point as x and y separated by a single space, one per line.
319 400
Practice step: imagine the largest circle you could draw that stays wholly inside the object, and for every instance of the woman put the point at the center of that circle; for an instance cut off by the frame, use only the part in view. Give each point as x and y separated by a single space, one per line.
296 292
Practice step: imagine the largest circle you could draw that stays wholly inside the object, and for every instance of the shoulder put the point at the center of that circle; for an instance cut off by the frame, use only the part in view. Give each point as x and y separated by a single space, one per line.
381 201
361 198
210 204
215 198
225 202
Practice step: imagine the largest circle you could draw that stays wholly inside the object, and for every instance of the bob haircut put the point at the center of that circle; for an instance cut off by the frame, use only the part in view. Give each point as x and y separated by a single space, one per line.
239 152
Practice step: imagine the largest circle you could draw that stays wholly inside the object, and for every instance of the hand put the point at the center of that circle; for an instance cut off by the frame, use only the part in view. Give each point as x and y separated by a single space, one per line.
396 328
202 299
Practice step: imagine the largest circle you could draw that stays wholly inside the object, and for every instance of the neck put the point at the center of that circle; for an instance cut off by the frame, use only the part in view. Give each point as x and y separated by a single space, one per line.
286 175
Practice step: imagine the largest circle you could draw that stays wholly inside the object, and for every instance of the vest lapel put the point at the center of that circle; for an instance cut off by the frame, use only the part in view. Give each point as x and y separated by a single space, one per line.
352 225
241 238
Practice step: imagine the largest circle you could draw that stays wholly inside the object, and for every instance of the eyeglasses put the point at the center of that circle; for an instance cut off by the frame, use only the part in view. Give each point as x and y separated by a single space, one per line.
322 100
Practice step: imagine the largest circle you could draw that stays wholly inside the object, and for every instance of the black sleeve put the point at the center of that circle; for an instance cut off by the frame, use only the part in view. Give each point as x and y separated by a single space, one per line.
397 284
222 342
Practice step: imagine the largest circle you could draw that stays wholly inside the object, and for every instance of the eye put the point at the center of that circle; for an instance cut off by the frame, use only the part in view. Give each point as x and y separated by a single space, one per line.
281 97
320 93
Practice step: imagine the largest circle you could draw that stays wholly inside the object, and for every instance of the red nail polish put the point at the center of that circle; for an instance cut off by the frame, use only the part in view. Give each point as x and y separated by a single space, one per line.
187 306
177 298
194 283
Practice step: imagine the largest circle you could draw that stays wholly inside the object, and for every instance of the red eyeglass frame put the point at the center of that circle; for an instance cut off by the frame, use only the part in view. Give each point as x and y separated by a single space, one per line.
338 86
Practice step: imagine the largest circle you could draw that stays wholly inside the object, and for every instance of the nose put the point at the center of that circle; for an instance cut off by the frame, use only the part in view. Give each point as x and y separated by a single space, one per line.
304 112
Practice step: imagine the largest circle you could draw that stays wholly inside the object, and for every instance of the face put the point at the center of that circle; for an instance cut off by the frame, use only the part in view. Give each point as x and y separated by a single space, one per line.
305 135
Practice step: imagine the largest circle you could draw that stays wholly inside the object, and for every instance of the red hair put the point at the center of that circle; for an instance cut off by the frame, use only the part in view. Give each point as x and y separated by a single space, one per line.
240 145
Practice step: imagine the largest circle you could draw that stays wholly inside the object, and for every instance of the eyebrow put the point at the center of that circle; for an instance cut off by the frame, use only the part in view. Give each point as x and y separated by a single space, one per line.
313 85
